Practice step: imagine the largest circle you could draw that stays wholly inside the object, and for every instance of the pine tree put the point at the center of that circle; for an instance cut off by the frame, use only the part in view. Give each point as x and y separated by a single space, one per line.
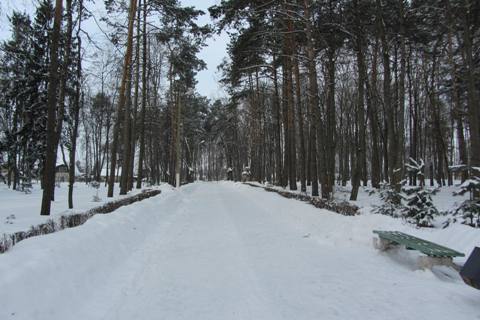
419 208
469 210
14 97
391 198
24 81
39 80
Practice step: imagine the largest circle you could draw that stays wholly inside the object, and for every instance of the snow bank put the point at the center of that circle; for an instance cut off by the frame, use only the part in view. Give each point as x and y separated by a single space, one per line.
229 251
70 220
359 228
56 273
20 211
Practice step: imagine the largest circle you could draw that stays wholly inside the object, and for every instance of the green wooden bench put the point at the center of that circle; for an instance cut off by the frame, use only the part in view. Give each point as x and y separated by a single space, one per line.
435 254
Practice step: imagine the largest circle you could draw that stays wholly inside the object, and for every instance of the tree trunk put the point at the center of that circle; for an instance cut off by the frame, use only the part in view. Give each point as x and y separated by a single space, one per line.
127 121
51 157
400 134
360 111
389 128
313 98
141 142
298 93
328 183
278 144
133 135
372 110
63 84
122 96
473 104
76 112
178 139
292 165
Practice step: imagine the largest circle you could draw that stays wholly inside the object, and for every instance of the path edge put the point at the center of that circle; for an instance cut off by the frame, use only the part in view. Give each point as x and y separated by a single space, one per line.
66 221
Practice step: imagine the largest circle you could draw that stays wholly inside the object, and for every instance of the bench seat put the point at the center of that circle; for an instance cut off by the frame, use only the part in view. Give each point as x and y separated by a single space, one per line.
413 243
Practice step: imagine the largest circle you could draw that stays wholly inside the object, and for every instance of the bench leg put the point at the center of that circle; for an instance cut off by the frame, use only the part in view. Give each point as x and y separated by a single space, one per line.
426 262
382 244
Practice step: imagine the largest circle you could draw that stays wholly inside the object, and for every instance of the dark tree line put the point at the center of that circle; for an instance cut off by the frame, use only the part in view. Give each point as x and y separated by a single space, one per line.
135 112
40 77
326 92
319 93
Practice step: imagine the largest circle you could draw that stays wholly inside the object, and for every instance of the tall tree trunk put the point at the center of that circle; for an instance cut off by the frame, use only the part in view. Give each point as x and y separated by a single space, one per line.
73 141
122 96
278 144
76 112
51 157
372 109
458 116
313 98
473 104
286 128
360 109
291 107
390 140
133 136
437 128
457 107
63 84
298 93
400 134
127 121
178 139
328 183
141 142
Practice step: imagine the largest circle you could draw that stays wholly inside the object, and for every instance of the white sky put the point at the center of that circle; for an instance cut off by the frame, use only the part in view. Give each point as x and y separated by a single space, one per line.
212 54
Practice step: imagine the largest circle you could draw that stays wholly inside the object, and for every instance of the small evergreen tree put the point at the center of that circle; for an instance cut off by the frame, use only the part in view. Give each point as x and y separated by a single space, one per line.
418 208
391 199
469 210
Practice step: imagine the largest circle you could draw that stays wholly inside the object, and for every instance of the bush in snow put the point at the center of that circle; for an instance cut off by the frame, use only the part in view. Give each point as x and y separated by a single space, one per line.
418 207
392 201
469 210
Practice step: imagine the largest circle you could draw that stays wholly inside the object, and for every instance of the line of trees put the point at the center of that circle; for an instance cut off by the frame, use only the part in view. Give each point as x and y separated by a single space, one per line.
40 80
324 92
319 93
133 109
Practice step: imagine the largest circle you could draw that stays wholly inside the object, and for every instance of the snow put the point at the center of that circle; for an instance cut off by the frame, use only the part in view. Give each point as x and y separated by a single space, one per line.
470 183
25 208
230 251
445 199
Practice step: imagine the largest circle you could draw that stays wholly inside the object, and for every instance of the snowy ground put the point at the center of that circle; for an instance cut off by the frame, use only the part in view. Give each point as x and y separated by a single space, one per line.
443 200
19 211
229 251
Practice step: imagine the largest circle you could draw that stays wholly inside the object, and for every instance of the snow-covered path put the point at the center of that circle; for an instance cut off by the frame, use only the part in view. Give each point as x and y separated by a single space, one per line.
223 251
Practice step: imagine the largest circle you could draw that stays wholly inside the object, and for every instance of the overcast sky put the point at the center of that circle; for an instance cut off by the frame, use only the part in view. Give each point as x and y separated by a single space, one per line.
212 54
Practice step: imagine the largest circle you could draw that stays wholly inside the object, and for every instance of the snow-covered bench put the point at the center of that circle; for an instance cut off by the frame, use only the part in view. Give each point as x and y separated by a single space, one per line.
434 254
